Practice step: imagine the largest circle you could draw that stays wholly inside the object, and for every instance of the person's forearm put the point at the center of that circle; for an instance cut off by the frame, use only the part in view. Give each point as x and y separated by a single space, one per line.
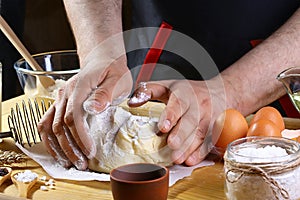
93 21
251 81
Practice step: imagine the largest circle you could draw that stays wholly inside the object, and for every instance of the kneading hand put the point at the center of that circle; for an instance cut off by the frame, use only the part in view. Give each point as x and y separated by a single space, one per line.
190 110
63 128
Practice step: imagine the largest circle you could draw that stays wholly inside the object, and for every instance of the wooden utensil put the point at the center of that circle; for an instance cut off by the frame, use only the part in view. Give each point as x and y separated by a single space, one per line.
23 187
8 32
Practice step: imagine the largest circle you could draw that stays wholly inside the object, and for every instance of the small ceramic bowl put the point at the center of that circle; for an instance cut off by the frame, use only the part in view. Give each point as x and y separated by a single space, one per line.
58 65
140 181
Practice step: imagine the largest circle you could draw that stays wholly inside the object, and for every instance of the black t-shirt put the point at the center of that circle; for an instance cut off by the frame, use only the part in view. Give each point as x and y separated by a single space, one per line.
223 28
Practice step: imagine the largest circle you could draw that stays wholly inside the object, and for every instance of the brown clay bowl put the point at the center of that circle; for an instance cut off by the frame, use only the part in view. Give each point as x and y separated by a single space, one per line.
140 181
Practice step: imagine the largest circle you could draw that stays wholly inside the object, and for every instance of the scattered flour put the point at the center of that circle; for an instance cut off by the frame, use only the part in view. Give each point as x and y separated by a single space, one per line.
43 188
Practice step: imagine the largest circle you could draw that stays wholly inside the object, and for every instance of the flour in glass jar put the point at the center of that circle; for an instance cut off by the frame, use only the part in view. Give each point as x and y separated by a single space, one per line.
267 153
243 184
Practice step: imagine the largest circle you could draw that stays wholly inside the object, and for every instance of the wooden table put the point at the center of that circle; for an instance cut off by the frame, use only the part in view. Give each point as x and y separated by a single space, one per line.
205 183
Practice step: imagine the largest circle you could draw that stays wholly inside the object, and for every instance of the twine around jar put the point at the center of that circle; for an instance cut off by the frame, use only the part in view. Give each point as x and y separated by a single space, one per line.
265 170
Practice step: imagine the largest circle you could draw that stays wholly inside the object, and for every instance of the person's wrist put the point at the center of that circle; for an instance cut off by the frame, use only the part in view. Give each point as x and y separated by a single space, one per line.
233 94
106 51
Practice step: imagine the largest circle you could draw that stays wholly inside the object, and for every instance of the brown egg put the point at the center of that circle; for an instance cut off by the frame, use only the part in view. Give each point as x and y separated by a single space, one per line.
229 126
271 114
264 127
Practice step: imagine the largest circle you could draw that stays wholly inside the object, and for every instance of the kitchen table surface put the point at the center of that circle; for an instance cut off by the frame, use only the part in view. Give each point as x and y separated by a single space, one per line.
205 183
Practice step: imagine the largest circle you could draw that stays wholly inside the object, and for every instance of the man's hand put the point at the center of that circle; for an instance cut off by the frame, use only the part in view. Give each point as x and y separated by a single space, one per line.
63 128
189 113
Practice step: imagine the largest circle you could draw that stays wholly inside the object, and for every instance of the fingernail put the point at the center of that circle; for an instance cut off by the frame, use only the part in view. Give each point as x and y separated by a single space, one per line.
142 85
94 107
166 125
139 97
134 100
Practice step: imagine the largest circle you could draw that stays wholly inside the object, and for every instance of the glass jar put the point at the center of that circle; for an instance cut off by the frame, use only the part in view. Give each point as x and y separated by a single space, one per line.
262 168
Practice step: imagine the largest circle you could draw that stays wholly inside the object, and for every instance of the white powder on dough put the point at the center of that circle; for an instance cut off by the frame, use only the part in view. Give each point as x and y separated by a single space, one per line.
122 138
142 95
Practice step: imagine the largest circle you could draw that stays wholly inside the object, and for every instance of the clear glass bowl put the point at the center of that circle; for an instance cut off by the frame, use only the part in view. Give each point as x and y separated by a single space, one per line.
58 65
290 78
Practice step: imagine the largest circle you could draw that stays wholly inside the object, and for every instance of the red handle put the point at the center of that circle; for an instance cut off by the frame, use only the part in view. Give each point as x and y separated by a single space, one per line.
154 53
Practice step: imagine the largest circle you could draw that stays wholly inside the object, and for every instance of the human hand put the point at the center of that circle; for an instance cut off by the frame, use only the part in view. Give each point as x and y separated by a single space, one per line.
191 107
63 127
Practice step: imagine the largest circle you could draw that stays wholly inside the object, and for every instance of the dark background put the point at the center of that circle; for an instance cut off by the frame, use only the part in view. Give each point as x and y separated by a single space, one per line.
41 25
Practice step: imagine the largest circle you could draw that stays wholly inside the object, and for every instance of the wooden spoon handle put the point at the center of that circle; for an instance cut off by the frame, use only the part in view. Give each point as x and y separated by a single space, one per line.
8 32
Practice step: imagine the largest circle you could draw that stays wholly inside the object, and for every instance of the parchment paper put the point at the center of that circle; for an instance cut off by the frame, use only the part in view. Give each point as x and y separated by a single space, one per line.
39 154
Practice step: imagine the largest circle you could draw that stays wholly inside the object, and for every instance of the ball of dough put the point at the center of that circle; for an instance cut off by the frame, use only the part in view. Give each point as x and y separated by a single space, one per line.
122 138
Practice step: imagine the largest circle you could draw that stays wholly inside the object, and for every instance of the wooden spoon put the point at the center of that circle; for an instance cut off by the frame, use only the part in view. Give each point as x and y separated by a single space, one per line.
6 176
8 32
23 187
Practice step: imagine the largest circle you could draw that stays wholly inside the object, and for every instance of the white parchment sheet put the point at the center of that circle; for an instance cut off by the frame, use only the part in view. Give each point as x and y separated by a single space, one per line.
39 154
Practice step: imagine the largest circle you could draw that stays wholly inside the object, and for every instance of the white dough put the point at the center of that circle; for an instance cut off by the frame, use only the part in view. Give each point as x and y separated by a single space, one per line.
123 138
